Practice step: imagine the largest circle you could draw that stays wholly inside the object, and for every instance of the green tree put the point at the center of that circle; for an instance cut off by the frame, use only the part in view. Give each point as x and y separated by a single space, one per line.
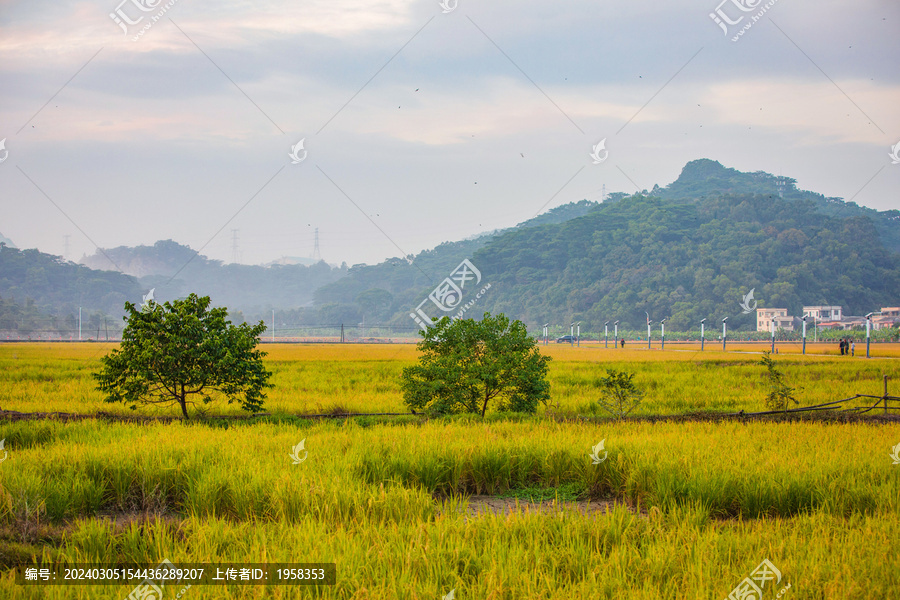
779 392
620 395
179 350
465 364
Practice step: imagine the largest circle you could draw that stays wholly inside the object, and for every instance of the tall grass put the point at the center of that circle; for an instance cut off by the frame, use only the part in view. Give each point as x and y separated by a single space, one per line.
364 378
697 505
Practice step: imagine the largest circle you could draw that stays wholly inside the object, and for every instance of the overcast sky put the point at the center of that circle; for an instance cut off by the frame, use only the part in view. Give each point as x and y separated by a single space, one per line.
419 125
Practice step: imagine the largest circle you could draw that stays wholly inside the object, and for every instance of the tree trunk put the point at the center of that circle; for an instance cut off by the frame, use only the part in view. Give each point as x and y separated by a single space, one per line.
183 402
484 407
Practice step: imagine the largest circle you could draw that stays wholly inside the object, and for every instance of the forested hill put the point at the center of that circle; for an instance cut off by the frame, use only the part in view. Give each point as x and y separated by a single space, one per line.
688 251
58 287
703 178
689 261
402 281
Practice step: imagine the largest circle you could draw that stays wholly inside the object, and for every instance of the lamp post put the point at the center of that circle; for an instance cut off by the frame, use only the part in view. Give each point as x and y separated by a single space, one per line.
606 335
868 334
648 329
702 332
724 332
578 334
804 333
546 333
773 334
572 334
616 335
662 325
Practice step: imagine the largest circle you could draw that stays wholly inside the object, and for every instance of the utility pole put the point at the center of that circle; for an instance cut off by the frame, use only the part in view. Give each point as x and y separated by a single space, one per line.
79 323
316 255
235 255
273 324
66 246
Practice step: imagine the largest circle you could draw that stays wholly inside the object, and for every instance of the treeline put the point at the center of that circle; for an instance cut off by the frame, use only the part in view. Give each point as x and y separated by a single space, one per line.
56 288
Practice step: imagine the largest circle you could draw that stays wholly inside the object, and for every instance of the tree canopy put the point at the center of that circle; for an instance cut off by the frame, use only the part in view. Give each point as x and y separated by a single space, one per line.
465 365
180 350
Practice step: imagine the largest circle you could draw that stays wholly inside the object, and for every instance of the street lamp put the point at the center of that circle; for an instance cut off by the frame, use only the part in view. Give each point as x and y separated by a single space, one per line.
572 334
616 335
773 334
724 332
546 333
606 335
868 330
702 332
662 325
648 329
578 334
804 333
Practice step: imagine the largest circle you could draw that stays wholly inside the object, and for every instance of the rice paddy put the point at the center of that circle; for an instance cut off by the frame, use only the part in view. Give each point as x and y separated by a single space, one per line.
689 509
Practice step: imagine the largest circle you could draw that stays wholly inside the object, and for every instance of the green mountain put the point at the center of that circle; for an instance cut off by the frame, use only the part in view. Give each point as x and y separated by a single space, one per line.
688 251
383 292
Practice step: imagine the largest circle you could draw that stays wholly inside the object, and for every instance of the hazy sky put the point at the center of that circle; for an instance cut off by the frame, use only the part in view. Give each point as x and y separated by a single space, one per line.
419 125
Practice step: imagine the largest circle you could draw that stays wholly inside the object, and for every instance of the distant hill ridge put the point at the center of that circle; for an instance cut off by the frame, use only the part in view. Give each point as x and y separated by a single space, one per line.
687 251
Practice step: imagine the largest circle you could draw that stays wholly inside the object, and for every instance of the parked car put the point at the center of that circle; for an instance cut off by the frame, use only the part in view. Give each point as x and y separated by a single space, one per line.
567 339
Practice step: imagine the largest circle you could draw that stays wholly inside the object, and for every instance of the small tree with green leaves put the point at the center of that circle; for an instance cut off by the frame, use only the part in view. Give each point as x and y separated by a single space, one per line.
779 392
465 365
180 350
619 394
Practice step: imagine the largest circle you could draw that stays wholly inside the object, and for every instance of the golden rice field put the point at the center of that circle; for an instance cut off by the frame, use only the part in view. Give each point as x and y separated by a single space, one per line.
691 508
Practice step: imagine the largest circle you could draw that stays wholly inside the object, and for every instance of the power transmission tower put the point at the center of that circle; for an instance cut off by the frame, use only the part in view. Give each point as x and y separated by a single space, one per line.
235 256
316 255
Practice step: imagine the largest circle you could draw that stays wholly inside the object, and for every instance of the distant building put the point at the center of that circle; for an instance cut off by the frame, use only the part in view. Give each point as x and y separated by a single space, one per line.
823 313
889 317
764 317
